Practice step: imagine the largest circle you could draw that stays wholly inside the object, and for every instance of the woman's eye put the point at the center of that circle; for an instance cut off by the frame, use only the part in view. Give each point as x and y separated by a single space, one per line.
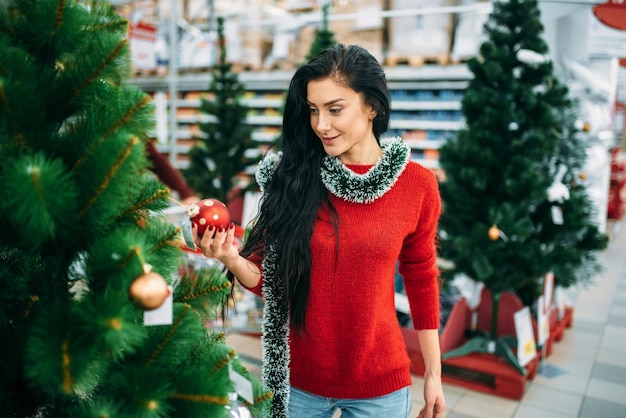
335 110
312 110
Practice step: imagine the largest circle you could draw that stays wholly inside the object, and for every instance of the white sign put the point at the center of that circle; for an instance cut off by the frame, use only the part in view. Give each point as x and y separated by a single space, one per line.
543 324
163 315
526 349
142 40
605 41
548 290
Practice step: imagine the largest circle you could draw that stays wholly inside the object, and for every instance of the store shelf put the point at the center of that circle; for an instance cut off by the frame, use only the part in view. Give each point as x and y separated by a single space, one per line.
426 76
442 125
426 106
251 102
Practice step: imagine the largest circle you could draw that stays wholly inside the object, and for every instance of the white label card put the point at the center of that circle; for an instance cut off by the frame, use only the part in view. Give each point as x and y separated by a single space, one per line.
557 215
543 325
163 315
187 234
243 386
526 349
548 290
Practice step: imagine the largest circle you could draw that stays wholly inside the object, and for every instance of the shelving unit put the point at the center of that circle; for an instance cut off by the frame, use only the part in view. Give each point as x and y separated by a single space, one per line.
426 107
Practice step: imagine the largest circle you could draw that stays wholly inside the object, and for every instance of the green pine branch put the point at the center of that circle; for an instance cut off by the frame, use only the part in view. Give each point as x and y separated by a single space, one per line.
80 222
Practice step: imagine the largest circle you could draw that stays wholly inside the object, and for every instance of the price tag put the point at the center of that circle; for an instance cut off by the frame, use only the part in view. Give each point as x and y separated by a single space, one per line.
187 234
164 314
548 290
526 349
543 325
243 386
557 215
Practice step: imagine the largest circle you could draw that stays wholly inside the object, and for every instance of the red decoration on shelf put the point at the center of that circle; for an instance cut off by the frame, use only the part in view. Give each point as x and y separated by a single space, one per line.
617 186
612 13
209 212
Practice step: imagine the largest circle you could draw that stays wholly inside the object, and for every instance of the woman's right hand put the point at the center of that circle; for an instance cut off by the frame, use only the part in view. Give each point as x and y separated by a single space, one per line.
217 242
220 243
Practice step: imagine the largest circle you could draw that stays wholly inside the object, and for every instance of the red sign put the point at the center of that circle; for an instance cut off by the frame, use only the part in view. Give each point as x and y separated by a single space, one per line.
612 13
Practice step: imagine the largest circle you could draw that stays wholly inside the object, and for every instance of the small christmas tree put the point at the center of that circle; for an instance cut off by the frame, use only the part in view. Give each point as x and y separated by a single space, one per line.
226 150
324 37
85 255
497 225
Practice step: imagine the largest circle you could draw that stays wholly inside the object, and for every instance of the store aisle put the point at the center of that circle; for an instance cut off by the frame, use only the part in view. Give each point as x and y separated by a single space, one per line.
584 377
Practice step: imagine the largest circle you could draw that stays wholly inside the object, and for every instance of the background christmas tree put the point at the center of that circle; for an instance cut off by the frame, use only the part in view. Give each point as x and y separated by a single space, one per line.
222 155
83 249
567 220
324 37
497 226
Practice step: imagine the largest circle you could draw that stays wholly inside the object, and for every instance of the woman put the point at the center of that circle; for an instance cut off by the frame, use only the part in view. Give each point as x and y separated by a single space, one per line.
340 206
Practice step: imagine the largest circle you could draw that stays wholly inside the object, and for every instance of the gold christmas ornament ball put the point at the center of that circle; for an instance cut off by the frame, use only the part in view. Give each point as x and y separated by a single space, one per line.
582 175
586 127
148 291
493 233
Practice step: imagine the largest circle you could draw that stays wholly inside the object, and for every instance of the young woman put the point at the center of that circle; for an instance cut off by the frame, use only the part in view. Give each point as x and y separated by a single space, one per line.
340 207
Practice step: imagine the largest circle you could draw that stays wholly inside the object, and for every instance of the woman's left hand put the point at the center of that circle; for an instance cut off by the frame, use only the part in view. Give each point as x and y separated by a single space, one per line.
434 398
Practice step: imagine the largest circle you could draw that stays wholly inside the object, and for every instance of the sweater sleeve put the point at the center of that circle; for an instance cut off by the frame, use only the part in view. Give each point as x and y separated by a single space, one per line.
258 289
168 175
418 260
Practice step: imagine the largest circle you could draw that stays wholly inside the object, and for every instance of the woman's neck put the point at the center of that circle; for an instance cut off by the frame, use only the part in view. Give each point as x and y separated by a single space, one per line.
365 156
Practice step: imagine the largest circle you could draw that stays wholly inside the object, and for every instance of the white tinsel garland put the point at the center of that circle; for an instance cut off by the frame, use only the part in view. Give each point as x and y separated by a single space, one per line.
365 188
265 169
275 336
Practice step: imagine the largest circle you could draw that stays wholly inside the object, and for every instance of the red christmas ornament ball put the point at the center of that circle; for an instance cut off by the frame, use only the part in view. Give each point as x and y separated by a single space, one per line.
209 212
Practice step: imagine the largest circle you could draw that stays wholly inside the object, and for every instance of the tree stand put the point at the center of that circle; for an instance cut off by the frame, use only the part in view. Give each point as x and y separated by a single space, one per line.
479 369
493 345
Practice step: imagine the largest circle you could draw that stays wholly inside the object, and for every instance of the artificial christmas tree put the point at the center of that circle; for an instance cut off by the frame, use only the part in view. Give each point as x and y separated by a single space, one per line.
324 37
84 251
227 149
566 220
499 171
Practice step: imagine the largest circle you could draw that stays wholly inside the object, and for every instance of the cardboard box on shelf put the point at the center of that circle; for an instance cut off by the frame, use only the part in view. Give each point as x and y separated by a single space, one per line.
371 39
365 27
197 50
297 5
255 47
292 36
139 10
300 46
250 40
415 39
468 30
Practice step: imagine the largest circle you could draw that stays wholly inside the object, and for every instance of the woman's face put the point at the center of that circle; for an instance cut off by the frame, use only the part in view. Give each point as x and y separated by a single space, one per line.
342 121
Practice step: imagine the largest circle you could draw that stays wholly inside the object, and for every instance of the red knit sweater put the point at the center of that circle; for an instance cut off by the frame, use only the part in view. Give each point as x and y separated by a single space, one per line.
353 347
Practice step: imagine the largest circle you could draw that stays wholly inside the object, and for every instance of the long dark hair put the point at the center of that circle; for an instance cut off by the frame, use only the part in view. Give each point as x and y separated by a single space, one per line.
295 193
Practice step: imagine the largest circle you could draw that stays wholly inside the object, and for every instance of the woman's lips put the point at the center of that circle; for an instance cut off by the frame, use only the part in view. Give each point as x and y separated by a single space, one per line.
329 139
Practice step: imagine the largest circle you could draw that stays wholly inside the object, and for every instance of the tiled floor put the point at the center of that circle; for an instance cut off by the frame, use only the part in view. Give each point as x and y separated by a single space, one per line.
584 377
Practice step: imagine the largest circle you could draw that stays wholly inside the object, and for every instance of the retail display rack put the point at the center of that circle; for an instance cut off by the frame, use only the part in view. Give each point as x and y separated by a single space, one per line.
426 107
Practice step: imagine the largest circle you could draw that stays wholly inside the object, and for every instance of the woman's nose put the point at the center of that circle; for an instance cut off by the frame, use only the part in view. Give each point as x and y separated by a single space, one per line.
323 123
